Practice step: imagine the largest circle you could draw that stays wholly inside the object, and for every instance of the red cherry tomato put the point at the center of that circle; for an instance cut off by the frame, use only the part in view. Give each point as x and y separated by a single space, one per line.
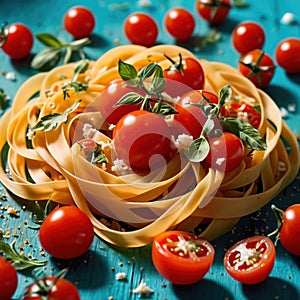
79 21
290 229
61 290
188 72
180 23
141 29
182 257
18 41
248 36
287 55
251 260
214 12
190 118
243 111
258 67
66 233
226 152
105 102
140 136
8 279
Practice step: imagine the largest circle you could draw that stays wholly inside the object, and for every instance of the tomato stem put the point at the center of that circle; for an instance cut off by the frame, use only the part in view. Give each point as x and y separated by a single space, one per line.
279 218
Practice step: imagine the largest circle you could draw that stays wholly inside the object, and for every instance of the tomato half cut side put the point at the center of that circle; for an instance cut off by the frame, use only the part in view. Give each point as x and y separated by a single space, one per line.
250 260
182 257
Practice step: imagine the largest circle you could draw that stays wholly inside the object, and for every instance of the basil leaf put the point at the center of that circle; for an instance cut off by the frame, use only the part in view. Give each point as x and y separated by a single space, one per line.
164 108
158 82
3 100
128 73
209 125
198 150
249 135
46 59
147 71
224 95
49 40
130 98
146 105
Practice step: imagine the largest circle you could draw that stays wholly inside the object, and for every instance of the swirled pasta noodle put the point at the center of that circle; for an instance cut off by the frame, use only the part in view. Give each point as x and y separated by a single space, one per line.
179 195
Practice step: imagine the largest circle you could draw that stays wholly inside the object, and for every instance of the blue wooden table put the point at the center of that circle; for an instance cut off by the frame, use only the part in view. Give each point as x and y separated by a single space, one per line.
94 272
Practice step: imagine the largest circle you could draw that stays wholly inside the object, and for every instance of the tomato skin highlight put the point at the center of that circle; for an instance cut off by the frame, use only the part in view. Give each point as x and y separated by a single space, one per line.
8 279
287 55
184 268
140 136
141 29
62 290
180 23
248 36
251 260
66 233
19 41
290 229
214 15
79 21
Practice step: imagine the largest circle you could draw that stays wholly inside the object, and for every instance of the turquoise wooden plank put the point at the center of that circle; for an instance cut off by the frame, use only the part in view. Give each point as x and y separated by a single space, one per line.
94 272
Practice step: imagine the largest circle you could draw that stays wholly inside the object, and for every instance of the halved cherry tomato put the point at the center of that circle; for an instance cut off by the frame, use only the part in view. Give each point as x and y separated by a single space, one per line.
248 36
226 152
17 41
8 279
213 11
142 139
287 55
79 21
66 233
243 111
188 72
106 101
251 260
258 67
141 29
180 23
182 257
52 288
190 118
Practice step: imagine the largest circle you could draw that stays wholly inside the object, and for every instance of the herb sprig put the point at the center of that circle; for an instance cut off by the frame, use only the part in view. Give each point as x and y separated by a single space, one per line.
3 100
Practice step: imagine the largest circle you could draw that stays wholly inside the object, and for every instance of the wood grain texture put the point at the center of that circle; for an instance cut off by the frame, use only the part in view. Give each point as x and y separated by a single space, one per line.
94 272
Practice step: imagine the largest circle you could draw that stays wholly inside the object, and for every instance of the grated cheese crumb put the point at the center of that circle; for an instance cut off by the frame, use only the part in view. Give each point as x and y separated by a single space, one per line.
183 141
142 289
10 76
284 112
220 160
119 166
88 131
120 276
288 18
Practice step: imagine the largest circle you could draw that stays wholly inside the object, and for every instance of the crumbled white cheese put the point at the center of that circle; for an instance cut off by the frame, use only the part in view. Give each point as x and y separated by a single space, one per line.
284 112
10 76
144 3
220 160
142 289
111 127
119 166
291 107
288 18
88 131
30 134
183 141
120 276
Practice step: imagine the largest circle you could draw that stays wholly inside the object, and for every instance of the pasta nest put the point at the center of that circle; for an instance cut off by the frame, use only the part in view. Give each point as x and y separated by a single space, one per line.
53 167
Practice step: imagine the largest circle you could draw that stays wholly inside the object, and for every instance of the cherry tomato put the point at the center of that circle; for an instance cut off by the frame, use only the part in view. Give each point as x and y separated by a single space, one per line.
61 290
290 229
105 102
243 111
66 232
190 118
214 12
17 42
140 136
226 152
188 72
180 23
251 260
141 29
79 21
8 279
258 67
248 36
182 257
287 55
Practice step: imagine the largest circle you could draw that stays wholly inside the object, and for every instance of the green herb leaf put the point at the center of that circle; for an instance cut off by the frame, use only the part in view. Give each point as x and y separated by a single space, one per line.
49 40
3 100
128 73
46 59
249 135
130 98
224 95
80 68
39 214
240 3
79 44
20 262
164 108
198 150
147 71
54 120
158 82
